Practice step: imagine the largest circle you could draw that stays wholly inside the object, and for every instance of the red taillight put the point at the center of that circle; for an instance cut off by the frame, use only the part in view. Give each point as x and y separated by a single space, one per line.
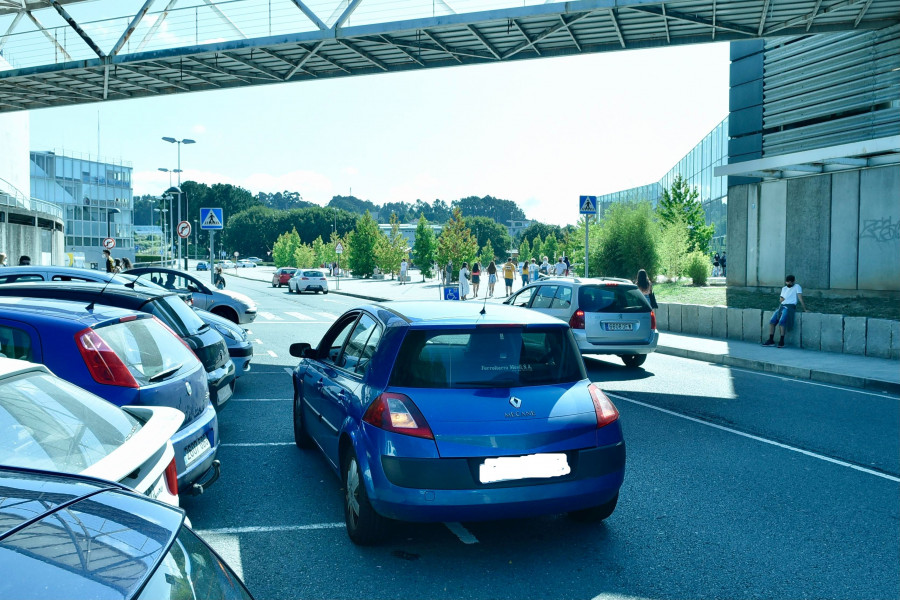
103 363
128 318
172 478
652 320
611 283
304 278
603 406
577 320
397 413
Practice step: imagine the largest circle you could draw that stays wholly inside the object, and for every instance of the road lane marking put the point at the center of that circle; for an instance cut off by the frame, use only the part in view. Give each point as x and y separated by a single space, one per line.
272 354
254 444
326 315
290 371
300 316
268 529
258 341
270 316
464 535
759 439
260 400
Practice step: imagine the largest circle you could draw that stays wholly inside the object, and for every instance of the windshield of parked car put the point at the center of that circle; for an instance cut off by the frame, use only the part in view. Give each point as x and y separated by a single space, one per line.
612 299
175 313
149 350
48 423
487 357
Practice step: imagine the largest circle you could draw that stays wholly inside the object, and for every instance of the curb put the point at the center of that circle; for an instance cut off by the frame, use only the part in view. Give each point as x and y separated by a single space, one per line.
786 370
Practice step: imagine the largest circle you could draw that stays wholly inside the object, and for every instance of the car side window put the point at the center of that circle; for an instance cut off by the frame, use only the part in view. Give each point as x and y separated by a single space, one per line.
523 297
20 278
563 297
72 278
15 343
335 337
544 296
356 350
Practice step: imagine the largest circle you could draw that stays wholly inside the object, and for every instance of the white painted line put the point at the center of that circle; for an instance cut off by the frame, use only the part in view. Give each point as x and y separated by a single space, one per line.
255 444
326 315
260 400
258 341
464 535
270 316
294 322
289 370
272 354
300 316
759 439
809 382
270 529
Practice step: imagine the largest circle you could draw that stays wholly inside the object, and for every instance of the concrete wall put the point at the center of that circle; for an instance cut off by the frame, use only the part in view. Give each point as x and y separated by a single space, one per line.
837 231
17 240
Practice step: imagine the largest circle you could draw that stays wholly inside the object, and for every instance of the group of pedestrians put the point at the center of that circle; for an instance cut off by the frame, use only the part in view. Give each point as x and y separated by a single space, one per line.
24 260
719 264
530 271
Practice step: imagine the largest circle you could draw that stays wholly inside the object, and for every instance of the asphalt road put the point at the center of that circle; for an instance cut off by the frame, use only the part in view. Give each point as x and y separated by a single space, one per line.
738 485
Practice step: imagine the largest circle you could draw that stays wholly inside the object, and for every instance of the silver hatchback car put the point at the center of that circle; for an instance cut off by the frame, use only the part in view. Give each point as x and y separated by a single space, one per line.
607 316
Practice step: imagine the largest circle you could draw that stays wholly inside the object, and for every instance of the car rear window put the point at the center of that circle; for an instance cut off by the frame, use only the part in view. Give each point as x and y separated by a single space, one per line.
175 313
612 299
51 424
150 351
487 357
312 274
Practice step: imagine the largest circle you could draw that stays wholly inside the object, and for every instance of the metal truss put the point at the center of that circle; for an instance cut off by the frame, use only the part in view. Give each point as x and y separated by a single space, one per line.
331 48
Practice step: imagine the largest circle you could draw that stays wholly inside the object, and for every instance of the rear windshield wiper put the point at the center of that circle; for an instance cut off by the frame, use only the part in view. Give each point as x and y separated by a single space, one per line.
166 373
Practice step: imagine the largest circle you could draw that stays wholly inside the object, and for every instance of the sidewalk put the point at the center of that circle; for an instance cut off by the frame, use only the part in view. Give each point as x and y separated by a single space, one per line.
840 369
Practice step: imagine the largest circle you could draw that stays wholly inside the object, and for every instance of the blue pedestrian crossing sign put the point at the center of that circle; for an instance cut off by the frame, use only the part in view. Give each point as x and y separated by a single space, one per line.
587 205
211 218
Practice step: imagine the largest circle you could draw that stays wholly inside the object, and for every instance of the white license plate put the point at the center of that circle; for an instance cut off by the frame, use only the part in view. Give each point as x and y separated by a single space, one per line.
224 395
618 326
510 468
196 449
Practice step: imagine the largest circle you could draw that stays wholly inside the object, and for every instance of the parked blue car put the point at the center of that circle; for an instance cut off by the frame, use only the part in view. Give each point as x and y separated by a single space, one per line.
124 357
434 411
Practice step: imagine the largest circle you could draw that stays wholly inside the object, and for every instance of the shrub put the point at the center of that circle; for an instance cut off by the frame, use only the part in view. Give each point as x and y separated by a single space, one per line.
697 267
673 249
626 242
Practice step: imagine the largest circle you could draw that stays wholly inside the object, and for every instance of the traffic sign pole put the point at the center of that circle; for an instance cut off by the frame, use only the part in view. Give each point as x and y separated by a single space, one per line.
587 206
212 256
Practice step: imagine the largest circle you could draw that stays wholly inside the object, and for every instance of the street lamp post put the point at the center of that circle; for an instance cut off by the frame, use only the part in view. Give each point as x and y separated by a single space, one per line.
179 142
162 218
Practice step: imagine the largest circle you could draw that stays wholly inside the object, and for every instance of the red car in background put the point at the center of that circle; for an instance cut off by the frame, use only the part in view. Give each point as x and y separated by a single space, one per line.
282 275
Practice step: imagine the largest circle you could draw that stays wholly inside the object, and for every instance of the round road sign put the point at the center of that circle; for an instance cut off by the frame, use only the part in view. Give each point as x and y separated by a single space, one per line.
109 243
184 229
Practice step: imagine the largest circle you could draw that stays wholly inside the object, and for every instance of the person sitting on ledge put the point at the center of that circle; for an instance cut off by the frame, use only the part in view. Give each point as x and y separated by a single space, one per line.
791 293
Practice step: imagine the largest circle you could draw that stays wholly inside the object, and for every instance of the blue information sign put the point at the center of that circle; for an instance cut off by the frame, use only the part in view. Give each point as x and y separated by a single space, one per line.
587 205
211 218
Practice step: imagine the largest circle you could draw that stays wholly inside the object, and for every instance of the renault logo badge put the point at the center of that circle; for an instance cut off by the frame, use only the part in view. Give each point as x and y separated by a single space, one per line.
187 386
516 402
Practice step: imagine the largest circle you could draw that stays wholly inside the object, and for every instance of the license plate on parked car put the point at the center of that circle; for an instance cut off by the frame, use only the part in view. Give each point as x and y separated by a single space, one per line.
618 326
196 449
508 468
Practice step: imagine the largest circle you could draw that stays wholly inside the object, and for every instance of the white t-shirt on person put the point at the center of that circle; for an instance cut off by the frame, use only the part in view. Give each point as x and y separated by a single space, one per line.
790 294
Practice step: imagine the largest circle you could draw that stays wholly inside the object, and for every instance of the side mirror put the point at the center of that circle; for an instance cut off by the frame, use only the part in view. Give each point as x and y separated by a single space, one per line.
302 350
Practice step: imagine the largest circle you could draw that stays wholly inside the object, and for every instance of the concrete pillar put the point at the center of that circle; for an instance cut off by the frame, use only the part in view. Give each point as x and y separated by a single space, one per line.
737 235
844 229
769 257
879 229
753 201
808 251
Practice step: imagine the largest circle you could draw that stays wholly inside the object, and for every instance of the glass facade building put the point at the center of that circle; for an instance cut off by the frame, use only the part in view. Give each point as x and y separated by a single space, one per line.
88 191
697 168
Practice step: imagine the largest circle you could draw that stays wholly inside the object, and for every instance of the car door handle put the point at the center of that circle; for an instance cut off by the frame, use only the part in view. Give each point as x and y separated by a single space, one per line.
320 384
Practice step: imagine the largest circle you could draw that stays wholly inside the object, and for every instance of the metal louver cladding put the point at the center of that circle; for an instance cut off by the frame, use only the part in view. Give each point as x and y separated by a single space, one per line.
819 93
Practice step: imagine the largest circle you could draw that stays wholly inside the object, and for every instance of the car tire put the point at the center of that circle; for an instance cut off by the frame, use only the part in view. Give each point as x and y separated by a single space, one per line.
633 360
280 284
301 437
273 284
325 292
595 514
364 526
226 313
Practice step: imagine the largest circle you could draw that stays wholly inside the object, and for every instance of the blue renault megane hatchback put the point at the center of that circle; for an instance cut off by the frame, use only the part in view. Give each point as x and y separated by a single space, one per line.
439 411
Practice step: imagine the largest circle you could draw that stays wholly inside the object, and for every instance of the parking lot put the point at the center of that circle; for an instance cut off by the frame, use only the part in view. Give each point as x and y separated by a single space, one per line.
738 484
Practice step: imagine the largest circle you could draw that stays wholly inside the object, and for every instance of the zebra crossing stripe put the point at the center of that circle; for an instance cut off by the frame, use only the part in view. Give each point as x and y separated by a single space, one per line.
269 316
299 316
326 315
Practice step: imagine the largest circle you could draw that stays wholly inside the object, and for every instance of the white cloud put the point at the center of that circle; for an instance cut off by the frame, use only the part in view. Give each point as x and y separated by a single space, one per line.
198 128
350 171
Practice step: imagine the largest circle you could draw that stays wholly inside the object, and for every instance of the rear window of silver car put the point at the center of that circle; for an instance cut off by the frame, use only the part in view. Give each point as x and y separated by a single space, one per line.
612 299
487 357
48 423
173 311
150 351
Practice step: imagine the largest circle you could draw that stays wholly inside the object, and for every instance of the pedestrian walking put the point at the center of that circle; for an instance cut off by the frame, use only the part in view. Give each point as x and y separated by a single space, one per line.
545 266
492 278
3 259
791 294
717 268
464 281
476 278
108 262
404 269
560 267
509 274
568 264
126 263
533 270
646 287
219 279
524 273
448 273
722 264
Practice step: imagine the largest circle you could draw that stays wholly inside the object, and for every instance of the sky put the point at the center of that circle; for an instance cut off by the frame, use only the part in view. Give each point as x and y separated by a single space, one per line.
538 132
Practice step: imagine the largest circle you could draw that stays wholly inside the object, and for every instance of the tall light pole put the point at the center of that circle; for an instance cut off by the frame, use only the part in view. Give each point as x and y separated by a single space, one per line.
162 218
169 171
172 140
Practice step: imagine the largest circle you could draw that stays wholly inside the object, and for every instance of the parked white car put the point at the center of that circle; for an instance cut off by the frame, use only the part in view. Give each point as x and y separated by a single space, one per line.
308 280
48 423
246 264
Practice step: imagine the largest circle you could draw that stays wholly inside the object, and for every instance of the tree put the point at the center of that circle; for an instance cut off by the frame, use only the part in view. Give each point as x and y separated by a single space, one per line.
499 211
425 247
456 243
551 248
540 230
320 251
360 255
537 248
390 250
524 251
673 247
682 200
487 254
304 256
626 242
486 229
283 250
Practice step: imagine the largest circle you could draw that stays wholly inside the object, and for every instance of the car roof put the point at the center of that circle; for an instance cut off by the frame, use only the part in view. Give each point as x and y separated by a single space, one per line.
50 519
582 281
418 312
10 367
33 310
84 291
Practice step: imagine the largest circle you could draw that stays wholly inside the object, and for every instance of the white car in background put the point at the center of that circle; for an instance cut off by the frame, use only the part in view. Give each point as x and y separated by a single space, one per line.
246 263
50 424
308 280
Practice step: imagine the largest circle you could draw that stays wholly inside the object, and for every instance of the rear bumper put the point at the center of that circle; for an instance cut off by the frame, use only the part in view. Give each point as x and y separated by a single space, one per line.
587 347
206 424
220 384
435 489
241 357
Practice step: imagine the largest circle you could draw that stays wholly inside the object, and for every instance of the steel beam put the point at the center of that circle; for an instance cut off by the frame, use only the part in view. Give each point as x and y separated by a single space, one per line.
249 63
814 14
762 18
310 15
440 45
222 16
713 22
454 52
666 23
484 41
11 27
679 16
346 14
81 33
131 27
391 42
808 19
159 78
156 24
286 61
546 33
364 54
46 33
862 13
222 71
615 22
299 66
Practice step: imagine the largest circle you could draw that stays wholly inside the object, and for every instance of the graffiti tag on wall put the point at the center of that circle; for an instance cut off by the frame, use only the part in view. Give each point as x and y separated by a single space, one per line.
881 230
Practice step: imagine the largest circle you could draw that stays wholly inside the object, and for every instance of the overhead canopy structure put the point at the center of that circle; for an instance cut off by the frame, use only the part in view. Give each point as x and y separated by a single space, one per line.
196 45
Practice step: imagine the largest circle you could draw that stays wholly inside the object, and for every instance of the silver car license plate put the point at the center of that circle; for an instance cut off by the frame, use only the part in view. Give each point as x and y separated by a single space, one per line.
508 468
196 449
618 326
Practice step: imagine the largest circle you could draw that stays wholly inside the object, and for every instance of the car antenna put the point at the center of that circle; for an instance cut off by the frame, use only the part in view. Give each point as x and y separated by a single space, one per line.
90 307
483 312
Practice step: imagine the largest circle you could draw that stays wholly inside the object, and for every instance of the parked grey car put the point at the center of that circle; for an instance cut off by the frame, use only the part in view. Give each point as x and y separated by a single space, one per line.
233 306
607 316
240 348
